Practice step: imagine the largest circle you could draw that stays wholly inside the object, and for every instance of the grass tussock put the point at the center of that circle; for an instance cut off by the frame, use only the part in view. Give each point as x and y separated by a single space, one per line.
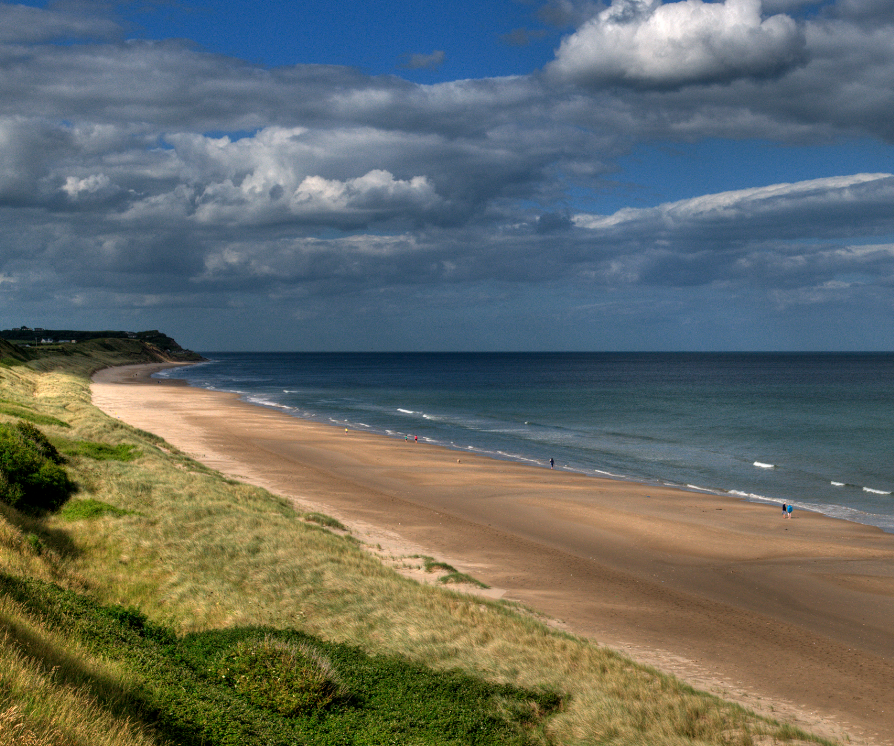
430 564
325 520
210 580
451 574
461 578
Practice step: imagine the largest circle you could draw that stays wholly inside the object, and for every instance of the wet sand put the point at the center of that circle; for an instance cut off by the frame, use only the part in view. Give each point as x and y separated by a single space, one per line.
792 618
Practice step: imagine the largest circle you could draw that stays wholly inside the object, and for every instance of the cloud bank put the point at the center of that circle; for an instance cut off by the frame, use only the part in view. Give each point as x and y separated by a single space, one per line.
141 175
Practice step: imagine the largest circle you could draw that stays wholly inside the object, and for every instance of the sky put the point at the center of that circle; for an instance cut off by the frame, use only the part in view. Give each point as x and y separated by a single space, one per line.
451 175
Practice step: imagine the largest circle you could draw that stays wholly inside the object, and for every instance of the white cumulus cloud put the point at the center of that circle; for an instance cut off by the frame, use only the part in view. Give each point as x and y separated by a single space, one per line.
645 43
376 190
74 186
291 174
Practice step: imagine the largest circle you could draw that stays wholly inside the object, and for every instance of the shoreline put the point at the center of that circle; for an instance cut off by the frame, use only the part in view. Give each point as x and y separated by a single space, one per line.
790 618
804 501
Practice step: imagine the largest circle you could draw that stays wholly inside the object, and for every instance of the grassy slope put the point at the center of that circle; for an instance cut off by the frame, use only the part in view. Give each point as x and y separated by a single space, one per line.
208 561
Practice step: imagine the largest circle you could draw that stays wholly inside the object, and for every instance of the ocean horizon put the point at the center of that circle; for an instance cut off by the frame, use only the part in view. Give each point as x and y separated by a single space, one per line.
810 429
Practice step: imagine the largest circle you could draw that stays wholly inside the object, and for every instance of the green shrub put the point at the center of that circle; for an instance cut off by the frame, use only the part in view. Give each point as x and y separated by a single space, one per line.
35 543
40 442
130 617
32 478
286 678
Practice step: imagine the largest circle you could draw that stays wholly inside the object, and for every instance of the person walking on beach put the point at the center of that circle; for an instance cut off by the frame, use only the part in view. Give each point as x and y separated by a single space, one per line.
784 510
551 463
790 508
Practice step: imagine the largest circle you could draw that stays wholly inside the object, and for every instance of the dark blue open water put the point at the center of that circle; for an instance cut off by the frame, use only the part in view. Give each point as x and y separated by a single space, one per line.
811 429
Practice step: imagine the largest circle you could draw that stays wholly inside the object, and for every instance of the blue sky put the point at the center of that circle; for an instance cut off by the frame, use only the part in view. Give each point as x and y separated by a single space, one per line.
379 38
513 175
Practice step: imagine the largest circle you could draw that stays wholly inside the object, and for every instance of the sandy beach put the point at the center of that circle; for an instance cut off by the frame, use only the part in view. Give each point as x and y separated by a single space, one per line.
792 618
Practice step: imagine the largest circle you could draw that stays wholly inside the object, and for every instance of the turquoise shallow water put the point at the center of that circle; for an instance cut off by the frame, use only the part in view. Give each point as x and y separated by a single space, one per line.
814 430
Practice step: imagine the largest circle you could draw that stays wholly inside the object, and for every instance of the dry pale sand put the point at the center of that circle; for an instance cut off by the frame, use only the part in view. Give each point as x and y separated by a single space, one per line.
793 618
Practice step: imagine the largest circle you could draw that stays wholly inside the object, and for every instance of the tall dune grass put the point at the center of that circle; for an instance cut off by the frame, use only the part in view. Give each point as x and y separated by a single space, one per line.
52 691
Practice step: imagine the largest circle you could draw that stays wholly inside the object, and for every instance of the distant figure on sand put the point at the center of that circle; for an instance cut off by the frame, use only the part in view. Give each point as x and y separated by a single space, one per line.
551 463
784 510
790 510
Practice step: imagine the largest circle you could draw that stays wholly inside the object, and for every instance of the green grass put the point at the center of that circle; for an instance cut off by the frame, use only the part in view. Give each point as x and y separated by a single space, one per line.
246 686
99 451
89 509
31 416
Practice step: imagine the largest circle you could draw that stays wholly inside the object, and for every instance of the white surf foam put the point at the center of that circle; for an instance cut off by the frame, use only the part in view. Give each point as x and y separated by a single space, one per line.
754 496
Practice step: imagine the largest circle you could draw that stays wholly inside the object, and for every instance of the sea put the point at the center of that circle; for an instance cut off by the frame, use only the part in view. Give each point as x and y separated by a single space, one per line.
815 430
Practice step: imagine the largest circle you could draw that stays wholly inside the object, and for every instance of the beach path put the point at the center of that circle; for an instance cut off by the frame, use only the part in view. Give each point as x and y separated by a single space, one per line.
794 619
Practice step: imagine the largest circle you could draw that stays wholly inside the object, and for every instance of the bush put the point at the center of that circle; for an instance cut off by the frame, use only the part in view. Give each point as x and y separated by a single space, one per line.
288 679
32 478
